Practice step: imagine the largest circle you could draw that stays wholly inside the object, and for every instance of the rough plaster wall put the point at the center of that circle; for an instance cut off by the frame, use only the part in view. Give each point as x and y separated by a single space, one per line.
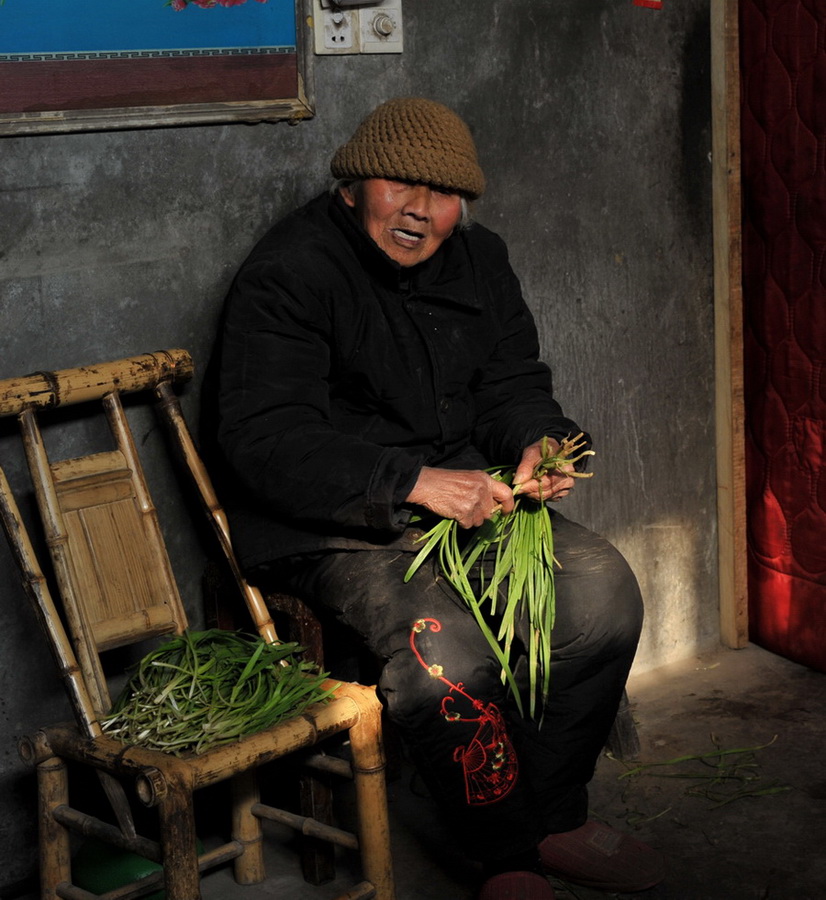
592 122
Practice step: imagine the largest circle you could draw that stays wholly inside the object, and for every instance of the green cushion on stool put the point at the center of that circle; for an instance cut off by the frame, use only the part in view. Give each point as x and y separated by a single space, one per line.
100 867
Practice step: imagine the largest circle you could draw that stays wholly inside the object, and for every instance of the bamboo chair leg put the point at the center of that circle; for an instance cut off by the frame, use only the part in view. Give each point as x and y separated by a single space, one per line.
176 816
371 799
55 862
318 863
246 828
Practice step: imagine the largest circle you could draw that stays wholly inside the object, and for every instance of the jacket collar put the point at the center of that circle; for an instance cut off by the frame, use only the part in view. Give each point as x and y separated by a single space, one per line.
448 275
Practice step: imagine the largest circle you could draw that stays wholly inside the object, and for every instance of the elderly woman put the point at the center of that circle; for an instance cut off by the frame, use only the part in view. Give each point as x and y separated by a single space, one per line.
377 357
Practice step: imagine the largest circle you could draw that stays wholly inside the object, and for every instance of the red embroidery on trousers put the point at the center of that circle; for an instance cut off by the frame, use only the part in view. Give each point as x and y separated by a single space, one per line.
489 761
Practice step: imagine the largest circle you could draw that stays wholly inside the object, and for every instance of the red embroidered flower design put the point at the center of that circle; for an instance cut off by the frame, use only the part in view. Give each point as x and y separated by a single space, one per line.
489 761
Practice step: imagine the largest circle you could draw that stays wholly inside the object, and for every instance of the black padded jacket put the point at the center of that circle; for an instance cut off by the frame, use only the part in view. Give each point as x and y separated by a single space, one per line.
342 373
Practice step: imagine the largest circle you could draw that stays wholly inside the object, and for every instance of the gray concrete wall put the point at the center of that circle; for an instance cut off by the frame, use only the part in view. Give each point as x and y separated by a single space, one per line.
592 122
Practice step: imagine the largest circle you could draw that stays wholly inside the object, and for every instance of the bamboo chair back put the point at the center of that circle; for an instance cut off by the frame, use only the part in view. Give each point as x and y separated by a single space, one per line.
101 527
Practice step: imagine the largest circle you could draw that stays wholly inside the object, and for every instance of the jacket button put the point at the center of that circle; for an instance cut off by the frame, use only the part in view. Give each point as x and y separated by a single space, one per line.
444 406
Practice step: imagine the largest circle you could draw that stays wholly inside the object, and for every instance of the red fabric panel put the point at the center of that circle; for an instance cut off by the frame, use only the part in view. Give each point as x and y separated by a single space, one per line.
783 64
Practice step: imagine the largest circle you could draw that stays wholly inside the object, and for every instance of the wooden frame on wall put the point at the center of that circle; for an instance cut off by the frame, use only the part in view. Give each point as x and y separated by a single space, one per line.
152 63
728 318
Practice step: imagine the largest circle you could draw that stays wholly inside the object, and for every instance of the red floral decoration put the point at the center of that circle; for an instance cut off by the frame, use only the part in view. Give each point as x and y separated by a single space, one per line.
206 4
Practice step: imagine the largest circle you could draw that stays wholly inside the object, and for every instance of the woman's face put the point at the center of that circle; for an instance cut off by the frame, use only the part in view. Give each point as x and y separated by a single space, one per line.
408 221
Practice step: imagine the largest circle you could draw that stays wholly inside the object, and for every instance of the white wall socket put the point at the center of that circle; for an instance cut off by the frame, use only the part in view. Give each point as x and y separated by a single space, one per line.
336 31
371 26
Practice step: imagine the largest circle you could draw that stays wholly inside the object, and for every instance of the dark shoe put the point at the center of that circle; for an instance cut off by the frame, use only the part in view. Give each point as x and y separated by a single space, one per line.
516 886
601 857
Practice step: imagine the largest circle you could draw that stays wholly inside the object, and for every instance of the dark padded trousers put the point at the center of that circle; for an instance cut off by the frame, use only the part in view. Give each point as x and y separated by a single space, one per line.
503 781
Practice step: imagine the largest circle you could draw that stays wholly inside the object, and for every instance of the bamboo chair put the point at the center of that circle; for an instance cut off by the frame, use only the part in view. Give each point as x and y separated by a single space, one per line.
117 588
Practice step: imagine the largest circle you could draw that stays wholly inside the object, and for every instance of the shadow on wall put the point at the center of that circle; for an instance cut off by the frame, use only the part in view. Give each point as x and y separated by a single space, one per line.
695 124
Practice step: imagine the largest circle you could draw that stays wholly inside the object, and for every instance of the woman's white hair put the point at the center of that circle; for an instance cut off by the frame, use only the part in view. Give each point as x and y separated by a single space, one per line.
465 220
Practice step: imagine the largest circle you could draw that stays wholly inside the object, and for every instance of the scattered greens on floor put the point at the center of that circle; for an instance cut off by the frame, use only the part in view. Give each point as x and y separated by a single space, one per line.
516 553
207 688
720 776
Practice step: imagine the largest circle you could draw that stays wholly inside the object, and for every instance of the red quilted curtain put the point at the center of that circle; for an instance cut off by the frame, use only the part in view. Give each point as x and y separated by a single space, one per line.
783 65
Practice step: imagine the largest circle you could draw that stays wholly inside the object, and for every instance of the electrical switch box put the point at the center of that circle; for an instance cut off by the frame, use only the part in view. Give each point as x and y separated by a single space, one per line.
357 26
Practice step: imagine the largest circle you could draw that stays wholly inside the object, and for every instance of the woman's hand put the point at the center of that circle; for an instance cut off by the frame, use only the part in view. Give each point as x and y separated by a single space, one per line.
468 496
552 486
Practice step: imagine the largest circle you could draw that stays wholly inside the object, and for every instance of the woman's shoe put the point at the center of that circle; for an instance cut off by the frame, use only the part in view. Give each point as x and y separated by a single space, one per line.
516 886
599 856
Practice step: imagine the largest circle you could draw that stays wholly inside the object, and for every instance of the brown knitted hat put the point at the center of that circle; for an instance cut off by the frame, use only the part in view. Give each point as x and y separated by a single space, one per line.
412 139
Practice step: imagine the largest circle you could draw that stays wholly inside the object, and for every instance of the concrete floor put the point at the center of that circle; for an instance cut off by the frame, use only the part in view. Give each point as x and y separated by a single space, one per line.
766 844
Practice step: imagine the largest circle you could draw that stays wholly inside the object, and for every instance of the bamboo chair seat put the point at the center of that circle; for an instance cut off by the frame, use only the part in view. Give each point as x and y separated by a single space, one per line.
117 588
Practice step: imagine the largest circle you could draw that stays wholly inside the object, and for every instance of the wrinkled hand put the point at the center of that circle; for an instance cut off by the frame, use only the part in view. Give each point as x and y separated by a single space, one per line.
552 486
468 496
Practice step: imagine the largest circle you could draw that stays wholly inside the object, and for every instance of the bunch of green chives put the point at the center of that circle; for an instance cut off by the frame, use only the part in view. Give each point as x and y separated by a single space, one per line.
518 548
206 688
